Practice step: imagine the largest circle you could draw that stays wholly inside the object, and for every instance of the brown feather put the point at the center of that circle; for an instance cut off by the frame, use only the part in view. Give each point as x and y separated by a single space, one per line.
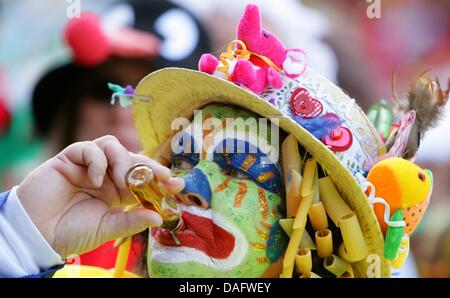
427 99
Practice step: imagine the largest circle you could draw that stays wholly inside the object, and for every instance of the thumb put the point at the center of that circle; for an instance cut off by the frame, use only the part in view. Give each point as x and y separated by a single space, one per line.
121 224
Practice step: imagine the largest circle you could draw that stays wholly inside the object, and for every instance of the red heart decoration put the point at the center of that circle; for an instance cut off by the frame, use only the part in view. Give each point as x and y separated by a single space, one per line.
303 105
341 139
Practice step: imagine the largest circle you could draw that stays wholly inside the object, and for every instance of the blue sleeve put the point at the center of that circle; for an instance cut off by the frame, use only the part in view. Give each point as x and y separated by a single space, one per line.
47 273
3 197
24 252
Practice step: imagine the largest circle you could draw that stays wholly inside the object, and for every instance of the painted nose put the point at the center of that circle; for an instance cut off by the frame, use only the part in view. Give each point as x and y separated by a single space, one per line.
197 191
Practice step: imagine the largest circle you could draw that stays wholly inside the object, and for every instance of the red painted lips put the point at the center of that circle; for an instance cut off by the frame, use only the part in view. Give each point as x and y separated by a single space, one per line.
200 233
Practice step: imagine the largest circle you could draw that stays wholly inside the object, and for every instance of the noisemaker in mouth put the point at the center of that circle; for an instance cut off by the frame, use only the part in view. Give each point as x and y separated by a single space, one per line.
143 184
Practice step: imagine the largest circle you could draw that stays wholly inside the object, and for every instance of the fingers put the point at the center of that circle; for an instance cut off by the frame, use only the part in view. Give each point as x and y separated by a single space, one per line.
124 224
175 185
119 159
85 154
107 155
164 175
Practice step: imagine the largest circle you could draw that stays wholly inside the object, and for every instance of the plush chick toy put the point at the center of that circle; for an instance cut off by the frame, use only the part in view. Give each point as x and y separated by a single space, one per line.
403 185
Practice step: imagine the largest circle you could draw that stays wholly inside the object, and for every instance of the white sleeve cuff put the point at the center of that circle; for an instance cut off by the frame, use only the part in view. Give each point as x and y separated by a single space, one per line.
23 249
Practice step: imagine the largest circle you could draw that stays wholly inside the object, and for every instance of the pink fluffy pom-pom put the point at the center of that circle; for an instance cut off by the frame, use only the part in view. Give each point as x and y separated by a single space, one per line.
252 78
208 63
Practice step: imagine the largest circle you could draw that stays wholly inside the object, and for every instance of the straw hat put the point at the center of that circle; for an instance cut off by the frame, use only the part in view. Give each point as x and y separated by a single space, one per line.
170 93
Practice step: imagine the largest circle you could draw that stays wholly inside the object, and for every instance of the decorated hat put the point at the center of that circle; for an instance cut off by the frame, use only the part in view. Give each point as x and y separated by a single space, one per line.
259 74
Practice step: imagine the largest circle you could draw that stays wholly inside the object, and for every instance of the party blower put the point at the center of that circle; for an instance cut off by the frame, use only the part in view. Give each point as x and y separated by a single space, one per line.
144 186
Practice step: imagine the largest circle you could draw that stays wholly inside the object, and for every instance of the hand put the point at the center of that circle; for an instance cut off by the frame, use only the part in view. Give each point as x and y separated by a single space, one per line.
76 199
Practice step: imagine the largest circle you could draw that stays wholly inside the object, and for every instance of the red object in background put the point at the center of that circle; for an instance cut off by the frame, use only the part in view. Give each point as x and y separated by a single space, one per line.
89 44
5 117
105 255
5 114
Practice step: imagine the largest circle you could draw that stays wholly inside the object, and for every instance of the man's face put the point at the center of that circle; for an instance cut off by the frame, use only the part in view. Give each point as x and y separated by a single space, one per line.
230 204
97 118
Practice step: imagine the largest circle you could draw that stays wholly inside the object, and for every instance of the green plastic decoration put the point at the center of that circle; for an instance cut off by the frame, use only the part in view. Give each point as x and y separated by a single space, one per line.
393 237
381 116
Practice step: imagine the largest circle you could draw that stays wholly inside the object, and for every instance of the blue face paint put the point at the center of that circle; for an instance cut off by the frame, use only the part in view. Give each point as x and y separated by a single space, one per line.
277 243
253 163
197 183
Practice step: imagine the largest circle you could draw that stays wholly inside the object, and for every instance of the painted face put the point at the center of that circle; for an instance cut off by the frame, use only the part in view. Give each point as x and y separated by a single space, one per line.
231 204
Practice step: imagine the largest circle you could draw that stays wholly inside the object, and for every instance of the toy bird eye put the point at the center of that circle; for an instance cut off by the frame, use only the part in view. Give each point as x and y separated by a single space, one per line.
422 176
266 35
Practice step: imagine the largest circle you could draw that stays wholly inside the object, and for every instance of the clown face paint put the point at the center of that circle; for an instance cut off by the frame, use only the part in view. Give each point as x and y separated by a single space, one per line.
231 203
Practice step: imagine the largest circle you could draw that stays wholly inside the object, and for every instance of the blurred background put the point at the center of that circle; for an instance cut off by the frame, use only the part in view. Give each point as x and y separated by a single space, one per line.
53 85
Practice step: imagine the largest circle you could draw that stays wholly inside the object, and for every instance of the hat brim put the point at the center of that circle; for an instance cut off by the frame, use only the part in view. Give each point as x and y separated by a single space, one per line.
176 92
